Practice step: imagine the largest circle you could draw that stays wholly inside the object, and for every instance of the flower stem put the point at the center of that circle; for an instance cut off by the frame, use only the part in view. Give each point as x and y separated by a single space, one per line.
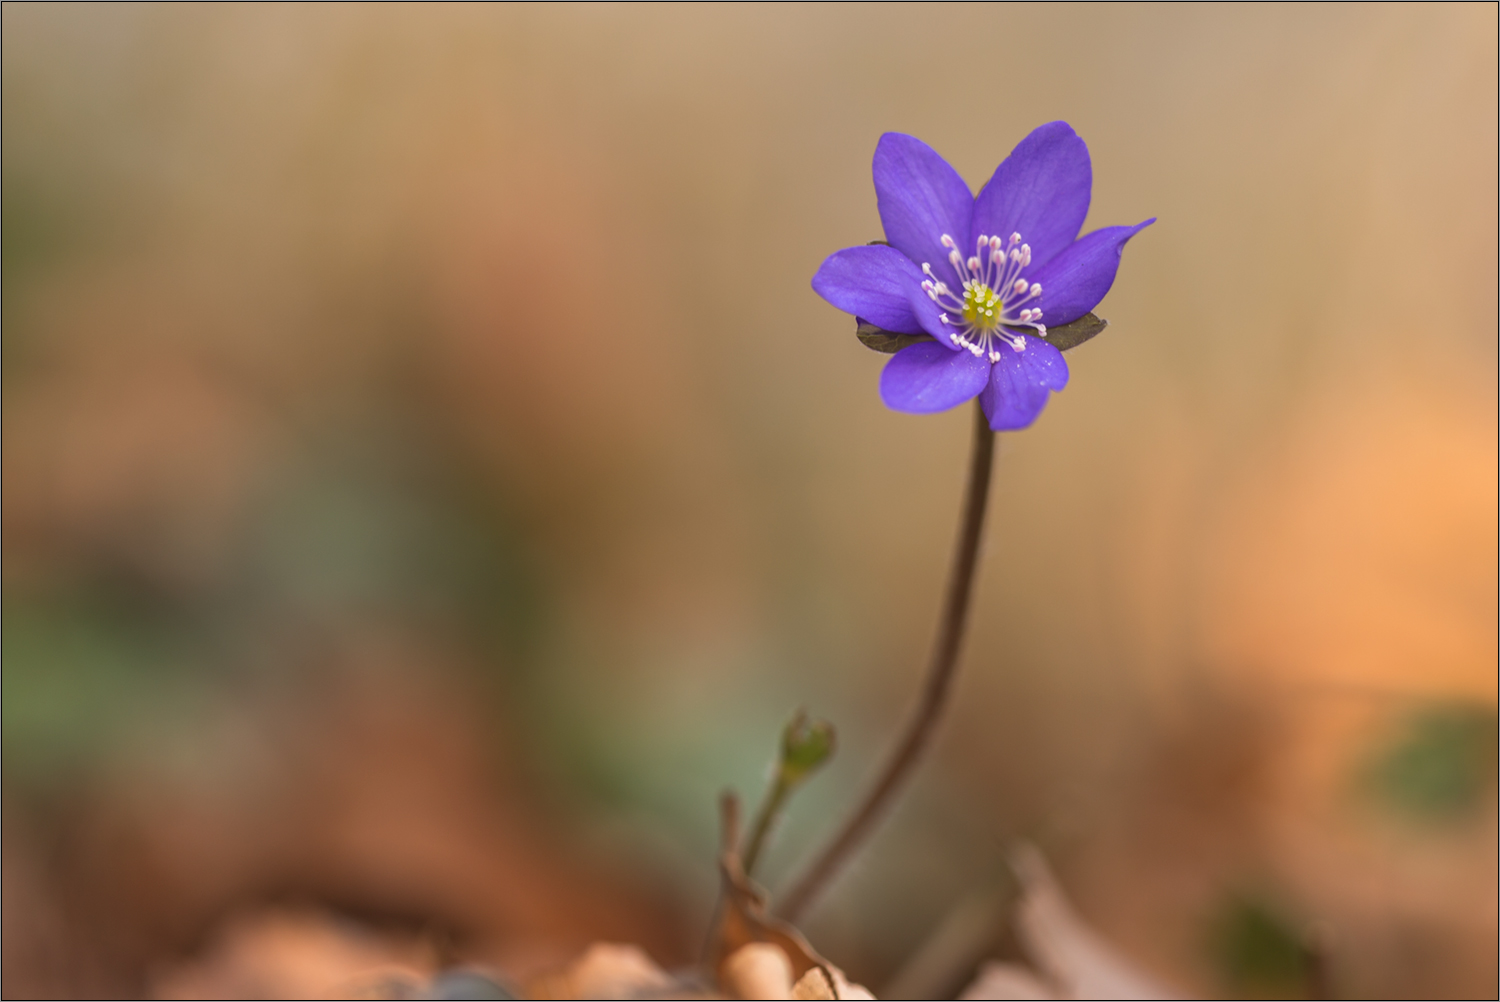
763 821
939 681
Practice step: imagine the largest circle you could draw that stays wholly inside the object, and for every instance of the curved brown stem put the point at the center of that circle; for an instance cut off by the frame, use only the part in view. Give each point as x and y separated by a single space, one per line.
940 674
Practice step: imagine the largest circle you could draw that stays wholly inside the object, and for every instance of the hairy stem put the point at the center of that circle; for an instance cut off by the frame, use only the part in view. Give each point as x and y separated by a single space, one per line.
940 672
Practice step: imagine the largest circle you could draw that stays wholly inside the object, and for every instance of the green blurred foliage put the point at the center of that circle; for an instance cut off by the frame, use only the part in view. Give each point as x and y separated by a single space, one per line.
1440 766
80 670
1258 952
113 651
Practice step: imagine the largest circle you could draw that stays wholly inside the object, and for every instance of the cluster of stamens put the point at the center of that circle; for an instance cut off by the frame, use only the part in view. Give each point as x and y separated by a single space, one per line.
993 294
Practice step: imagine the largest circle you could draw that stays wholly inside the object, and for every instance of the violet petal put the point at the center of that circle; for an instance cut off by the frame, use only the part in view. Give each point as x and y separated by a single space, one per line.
921 198
877 283
1074 281
1040 191
928 377
1019 383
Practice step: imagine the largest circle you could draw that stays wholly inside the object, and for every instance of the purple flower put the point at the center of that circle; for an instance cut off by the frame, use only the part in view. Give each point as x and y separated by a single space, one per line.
978 274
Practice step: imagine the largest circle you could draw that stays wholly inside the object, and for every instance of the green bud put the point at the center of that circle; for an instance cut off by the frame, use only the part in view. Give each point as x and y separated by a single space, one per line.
805 745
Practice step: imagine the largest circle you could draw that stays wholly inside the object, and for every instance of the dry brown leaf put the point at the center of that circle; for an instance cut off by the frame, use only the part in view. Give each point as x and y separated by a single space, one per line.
998 980
297 954
1072 960
744 919
606 971
757 971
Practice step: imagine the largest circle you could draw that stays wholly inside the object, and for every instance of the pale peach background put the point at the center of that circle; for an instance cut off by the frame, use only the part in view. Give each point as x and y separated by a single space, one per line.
565 251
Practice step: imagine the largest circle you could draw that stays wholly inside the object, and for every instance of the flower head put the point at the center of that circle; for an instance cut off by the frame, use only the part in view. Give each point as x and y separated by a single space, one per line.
983 275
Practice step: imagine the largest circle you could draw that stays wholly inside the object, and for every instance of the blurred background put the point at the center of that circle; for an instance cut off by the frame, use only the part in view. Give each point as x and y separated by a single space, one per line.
429 479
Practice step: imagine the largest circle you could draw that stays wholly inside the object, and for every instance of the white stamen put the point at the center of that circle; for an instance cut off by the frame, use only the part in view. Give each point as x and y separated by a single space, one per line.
992 294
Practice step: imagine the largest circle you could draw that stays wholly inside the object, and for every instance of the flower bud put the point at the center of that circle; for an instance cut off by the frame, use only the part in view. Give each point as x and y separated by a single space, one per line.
805 745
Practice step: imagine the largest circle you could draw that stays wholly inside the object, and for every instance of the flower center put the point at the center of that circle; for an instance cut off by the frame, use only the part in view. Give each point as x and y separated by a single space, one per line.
993 295
980 304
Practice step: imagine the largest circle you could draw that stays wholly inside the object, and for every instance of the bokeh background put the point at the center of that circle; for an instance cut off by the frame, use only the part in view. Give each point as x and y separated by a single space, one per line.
429 479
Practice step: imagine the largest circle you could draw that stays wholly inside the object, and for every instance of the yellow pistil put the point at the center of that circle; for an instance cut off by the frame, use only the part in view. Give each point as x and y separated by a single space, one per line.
982 307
